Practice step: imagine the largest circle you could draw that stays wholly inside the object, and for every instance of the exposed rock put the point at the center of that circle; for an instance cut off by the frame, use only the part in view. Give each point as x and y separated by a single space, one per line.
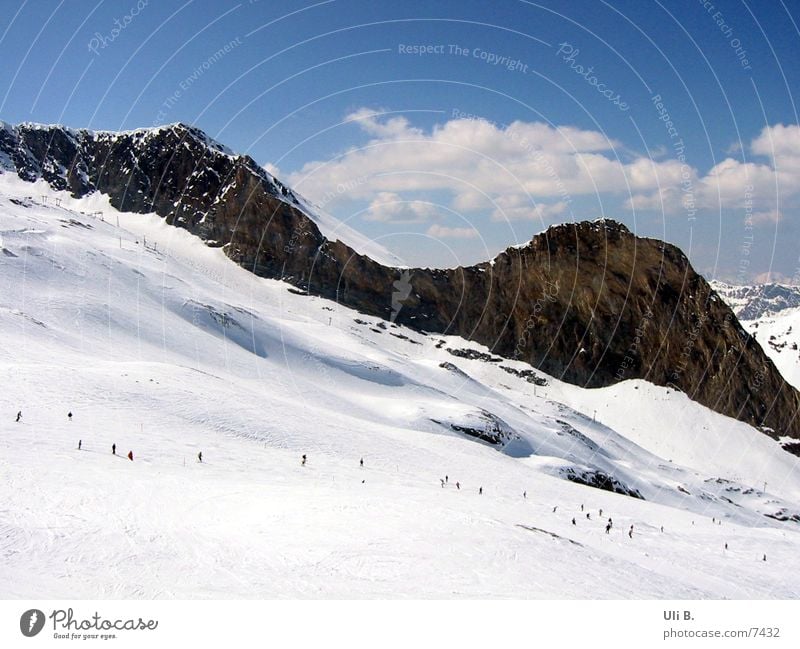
784 515
494 431
473 355
529 375
599 480
793 448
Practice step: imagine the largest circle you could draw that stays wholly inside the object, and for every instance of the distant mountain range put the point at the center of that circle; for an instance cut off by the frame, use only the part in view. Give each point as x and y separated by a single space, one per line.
753 302
771 313
589 303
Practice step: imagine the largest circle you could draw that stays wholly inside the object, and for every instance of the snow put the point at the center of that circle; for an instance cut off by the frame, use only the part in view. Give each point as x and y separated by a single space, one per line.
779 337
334 229
171 349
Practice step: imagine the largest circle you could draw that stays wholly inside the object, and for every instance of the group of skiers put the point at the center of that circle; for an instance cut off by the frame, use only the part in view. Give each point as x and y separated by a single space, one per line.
609 522
444 481
130 453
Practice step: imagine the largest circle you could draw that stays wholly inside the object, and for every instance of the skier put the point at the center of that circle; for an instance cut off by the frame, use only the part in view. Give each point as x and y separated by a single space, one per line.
601 513
113 449
610 523
362 462
69 415
19 415
608 527
726 546
573 521
588 515
662 529
524 494
303 460
554 509
630 532
713 520
581 506
130 455
480 491
765 558
200 457
80 442
447 478
458 486
442 481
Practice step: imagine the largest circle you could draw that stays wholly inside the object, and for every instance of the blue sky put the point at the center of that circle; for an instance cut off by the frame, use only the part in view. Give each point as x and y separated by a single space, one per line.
450 130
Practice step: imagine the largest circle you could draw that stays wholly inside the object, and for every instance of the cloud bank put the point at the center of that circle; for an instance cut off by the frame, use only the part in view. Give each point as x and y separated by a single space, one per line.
534 171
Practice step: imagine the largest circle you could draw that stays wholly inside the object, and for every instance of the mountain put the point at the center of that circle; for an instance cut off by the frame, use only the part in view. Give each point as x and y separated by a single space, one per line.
589 303
754 302
161 345
176 171
771 313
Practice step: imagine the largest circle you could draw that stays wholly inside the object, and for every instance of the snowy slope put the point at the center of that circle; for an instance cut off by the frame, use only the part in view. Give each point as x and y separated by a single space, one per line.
163 346
779 336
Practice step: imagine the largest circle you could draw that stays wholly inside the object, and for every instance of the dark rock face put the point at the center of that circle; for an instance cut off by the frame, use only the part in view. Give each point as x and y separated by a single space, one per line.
600 480
589 303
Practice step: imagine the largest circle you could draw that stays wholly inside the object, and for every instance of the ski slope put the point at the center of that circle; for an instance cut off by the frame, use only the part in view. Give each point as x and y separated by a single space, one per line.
164 347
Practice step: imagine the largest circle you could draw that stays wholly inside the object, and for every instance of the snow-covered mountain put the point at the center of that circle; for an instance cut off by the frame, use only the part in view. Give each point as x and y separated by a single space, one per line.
753 302
175 170
161 345
590 303
771 313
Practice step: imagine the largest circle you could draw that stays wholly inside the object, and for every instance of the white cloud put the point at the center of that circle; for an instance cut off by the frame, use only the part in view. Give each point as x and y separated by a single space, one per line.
734 149
443 232
472 201
777 142
389 207
515 207
772 276
734 184
768 217
390 127
272 169
467 158
531 170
